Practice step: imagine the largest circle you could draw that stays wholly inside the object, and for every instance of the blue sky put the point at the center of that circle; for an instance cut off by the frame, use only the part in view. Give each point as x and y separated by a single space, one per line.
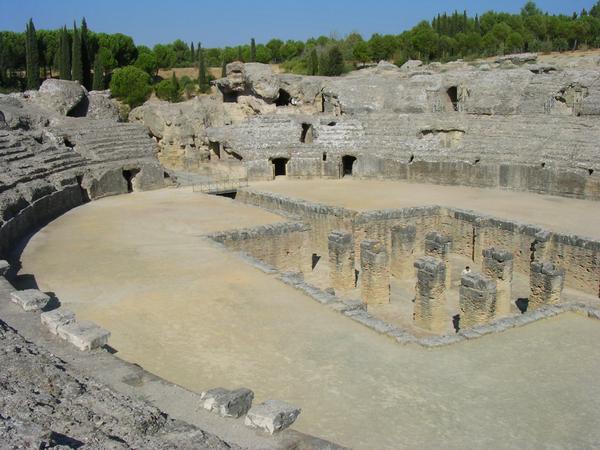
231 22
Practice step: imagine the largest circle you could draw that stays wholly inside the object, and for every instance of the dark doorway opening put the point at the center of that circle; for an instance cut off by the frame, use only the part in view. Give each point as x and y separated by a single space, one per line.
230 194
85 196
453 96
324 156
348 165
280 166
129 176
230 97
315 260
80 109
307 133
215 150
284 99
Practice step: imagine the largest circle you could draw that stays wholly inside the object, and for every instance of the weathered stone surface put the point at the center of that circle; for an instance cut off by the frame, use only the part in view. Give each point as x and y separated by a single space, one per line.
56 318
341 260
272 416
374 273
546 284
430 300
30 299
84 335
498 265
261 81
101 106
4 268
439 246
518 58
227 403
411 64
62 96
46 402
403 250
477 299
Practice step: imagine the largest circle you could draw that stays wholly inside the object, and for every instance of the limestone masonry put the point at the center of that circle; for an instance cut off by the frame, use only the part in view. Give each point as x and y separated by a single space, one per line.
429 275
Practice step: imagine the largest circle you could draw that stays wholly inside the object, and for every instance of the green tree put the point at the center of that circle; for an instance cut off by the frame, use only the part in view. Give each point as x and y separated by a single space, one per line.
165 56
130 85
76 65
313 62
86 54
223 68
32 57
333 63
202 76
275 46
361 52
252 50
169 90
98 80
65 55
147 62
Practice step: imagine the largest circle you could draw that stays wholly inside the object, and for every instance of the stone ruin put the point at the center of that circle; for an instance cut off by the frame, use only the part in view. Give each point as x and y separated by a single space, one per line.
514 124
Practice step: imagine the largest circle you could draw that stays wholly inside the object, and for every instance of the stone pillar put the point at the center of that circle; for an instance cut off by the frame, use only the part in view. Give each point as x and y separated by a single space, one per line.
374 273
341 260
438 245
546 284
403 248
430 300
477 299
498 265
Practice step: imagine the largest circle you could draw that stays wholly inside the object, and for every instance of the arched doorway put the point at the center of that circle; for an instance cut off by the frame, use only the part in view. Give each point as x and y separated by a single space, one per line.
279 166
453 96
348 165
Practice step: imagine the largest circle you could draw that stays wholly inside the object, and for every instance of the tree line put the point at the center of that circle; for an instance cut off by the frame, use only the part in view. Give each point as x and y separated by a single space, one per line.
92 58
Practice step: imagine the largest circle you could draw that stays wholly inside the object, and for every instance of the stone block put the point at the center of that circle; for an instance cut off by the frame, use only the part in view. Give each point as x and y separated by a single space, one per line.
375 273
272 416
227 403
403 248
56 318
4 268
430 299
439 246
477 299
30 299
341 260
84 335
498 265
546 284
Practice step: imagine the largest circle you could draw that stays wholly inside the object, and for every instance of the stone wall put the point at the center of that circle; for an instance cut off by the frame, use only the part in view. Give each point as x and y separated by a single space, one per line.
281 245
471 234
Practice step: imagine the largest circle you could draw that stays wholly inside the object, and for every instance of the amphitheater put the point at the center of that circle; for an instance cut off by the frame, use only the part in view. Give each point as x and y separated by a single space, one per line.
408 256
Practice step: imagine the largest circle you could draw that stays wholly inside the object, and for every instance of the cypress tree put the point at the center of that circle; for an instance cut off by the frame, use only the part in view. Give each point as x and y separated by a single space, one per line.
252 50
76 66
314 62
335 62
98 82
65 55
223 68
192 53
86 55
32 57
175 96
202 78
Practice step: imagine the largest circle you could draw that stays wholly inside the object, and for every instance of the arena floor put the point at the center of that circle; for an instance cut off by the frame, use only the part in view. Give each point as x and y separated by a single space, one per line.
199 316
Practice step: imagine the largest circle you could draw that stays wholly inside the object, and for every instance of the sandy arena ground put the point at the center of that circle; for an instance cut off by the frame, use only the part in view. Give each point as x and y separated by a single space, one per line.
557 214
201 317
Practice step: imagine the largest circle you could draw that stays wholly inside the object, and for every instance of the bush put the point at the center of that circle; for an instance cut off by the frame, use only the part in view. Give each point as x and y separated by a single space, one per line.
168 90
130 85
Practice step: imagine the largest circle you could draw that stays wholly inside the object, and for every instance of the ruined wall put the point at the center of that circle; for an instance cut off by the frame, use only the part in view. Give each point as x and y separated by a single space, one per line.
50 163
281 245
471 234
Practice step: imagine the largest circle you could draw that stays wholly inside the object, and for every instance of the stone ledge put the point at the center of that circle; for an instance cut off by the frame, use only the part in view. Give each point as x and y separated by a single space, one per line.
272 416
57 318
84 335
30 299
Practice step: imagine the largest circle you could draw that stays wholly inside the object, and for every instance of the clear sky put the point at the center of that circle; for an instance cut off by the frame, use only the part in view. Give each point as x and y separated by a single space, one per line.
219 23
